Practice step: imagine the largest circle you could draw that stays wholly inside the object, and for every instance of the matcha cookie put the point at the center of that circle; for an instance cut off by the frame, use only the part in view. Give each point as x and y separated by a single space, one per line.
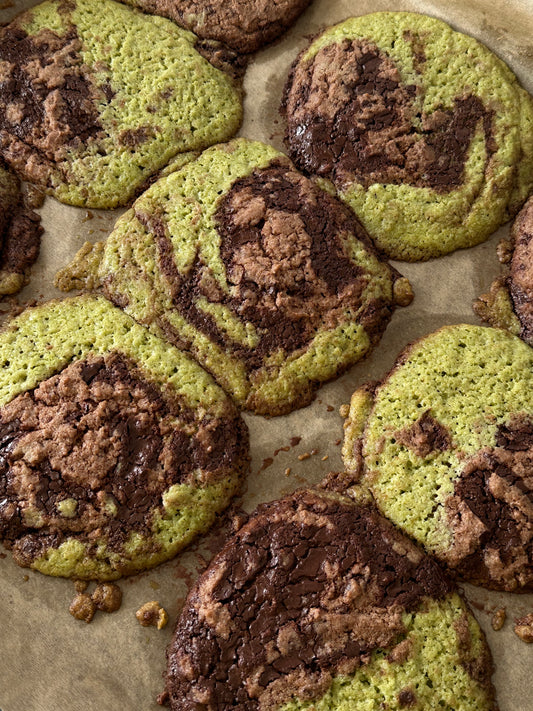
422 130
318 603
97 97
445 443
268 281
20 234
244 25
509 303
116 449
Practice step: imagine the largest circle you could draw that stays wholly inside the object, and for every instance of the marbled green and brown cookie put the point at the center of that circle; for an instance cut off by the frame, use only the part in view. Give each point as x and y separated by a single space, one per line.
96 97
244 25
116 449
20 234
266 279
319 603
422 130
445 445
509 303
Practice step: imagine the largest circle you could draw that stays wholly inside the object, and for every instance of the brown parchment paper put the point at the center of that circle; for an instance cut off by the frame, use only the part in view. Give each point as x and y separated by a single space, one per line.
51 662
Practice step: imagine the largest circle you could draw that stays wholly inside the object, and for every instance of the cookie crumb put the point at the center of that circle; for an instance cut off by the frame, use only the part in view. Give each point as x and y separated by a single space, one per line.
287 471
326 456
403 292
107 597
82 607
303 456
524 628
344 410
498 618
152 615
80 585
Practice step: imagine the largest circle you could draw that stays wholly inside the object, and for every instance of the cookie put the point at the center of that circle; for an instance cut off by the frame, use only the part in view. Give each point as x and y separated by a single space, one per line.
267 280
97 97
116 449
20 235
422 131
445 442
318 603
244 25
509 303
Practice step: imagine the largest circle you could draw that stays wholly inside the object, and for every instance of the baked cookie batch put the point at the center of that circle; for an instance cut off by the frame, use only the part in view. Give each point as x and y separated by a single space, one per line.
241 279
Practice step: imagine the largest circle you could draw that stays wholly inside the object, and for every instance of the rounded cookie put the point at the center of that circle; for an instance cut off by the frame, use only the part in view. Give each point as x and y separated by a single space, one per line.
99 97
116 449
509 303
267 280
419 128
20 234
244 25
445 445
318 603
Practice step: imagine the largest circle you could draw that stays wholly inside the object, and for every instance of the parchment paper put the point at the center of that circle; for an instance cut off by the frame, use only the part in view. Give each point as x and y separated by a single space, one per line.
51 662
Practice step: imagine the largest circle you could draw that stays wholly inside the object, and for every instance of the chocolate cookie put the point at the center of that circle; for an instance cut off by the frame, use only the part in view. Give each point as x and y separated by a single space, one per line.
20 235
445 445
116 449
422 131
267 280
244 25
97 97
318 603
509 303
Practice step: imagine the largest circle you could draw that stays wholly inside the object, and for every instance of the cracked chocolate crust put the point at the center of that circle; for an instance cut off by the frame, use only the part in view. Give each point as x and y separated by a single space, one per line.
351 119
244 25
89 453
305 591
20 234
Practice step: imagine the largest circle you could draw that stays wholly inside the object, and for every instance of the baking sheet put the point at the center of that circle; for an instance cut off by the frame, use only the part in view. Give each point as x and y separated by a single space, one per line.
52 662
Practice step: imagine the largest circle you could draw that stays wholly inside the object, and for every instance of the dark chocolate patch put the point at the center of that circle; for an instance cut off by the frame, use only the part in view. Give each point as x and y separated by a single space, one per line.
306 590
351 119
424 436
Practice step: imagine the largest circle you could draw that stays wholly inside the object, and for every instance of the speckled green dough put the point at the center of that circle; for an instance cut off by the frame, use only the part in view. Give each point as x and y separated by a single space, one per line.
416 223
42 342
472 379
160 85
185 202
434 669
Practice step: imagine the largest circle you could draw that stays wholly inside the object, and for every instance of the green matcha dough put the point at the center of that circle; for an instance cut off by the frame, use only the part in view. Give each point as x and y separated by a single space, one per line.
266 279
101 97
444 444
422 131
116 448
318 603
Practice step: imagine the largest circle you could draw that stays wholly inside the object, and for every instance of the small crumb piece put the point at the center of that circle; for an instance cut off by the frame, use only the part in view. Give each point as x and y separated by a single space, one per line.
330 408
107 597
326 456
152 615
25 578
81 585
82 607
314 451
337 442
403 292
524 628
287 471
498 618
303 456
504 250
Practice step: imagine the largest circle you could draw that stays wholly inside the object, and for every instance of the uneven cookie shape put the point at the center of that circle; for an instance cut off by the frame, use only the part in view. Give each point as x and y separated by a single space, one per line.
320 603
267 280
96 97
422 131
116 449
445 445
244 25
20 235
509 303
